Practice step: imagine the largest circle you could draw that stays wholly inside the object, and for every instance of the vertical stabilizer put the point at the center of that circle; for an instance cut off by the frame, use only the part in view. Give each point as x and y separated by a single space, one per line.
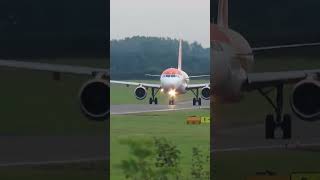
180 55
223 13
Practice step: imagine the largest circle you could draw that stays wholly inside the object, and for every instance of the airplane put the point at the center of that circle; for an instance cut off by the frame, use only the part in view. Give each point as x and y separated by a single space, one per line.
93 95
231 68
173 81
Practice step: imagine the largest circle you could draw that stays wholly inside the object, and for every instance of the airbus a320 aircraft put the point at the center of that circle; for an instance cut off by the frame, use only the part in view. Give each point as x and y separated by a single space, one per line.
173 81
232 60
94 94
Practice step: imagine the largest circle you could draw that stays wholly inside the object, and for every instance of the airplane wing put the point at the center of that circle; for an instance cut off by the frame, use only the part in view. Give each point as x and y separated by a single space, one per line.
127 83
267 79
53 67
196 86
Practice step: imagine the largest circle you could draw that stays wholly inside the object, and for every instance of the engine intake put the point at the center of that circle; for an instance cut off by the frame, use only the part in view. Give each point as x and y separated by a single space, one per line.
94 99
205 93
305 100
140 92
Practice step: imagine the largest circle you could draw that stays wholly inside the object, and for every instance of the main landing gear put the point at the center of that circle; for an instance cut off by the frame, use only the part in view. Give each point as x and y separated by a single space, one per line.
196 99
153 99
277 120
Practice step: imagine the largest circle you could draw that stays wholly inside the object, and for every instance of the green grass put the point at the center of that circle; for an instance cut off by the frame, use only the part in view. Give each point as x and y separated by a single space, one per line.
73 171
121 94
171 125
248 163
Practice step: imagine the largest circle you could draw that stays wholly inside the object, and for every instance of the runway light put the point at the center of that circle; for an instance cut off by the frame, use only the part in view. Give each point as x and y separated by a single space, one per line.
161 90
172 93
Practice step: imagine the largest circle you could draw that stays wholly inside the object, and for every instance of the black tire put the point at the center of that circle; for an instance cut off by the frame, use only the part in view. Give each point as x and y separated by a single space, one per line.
194 101
199 101
269 127
155 100
286 126
150 101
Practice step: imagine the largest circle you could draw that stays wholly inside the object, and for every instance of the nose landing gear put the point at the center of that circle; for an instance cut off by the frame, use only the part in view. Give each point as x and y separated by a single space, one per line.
171 101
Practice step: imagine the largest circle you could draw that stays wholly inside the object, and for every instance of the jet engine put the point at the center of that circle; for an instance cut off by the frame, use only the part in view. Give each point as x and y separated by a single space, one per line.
140 92
305 99
94 99
205 93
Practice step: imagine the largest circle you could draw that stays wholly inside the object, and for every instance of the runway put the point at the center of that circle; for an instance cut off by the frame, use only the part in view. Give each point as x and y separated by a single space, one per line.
144 108
42 150
305 135
242 138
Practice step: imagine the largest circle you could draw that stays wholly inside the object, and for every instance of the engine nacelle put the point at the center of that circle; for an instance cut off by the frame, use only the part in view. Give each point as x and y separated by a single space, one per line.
140 92
94 99
205 93
305 99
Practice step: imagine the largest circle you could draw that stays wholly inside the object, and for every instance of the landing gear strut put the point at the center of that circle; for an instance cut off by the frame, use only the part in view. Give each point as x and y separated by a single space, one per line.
278 121
171 101
196 99
153 99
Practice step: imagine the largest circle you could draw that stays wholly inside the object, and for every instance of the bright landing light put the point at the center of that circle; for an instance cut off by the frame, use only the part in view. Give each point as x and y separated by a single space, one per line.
172 93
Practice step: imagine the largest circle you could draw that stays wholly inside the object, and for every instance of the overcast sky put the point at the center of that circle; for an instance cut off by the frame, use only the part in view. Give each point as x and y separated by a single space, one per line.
186 19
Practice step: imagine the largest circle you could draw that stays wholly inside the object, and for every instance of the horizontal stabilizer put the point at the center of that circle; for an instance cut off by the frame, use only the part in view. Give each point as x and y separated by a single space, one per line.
199 76
153 75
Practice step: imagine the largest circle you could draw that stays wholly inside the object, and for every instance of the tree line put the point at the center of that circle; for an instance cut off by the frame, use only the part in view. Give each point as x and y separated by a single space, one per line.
136 56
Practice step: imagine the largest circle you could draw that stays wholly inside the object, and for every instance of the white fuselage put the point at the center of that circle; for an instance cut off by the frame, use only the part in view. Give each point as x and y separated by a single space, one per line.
174 79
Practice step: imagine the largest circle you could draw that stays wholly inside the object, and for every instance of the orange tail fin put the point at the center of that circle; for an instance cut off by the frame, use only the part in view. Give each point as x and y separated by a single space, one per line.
223 14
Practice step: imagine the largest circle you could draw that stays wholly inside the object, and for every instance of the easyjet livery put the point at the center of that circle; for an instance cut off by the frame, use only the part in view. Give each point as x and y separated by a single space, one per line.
173 81
232 61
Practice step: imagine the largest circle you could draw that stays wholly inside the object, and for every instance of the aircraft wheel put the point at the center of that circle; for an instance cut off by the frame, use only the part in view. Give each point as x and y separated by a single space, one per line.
269 126
150 101
194 101
286 126
155 100
172 102
199 101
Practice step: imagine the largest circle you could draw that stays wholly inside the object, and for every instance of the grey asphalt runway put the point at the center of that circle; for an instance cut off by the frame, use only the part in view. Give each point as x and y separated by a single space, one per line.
251 137
38 150
143 108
